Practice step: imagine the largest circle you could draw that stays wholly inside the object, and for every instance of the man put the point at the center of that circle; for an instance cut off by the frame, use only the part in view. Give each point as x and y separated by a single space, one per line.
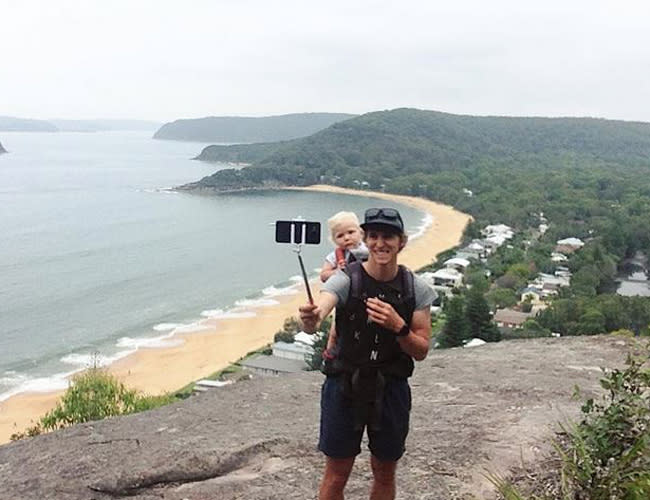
383 322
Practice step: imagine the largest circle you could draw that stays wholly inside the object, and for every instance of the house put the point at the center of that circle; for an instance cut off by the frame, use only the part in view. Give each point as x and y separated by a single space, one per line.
294 350
494 241
549 279
564 249
306 338
273 365
542 228
509 318
475 250
533 295
457 263
498 229
558 257
447 277
568 245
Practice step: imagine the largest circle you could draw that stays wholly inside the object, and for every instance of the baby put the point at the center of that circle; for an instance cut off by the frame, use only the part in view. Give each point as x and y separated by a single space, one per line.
347 235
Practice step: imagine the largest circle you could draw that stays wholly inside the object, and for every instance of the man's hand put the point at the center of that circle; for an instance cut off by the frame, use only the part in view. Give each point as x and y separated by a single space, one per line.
383 314
310 317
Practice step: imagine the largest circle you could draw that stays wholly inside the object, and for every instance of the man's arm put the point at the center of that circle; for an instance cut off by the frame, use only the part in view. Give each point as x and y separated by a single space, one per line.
416 343
312 314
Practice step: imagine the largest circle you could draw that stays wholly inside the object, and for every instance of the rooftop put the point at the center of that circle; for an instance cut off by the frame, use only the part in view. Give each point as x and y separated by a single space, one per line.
275 363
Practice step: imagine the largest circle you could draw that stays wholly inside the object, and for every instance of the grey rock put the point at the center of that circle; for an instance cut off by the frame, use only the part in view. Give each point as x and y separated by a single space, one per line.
473 410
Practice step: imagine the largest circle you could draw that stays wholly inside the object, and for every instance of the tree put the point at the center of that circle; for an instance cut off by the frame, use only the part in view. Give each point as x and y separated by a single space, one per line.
290 327
479 318
456 329
500 298
591 322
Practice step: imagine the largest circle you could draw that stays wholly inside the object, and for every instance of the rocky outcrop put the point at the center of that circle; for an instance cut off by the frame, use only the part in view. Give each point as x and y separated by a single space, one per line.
2 150
473 409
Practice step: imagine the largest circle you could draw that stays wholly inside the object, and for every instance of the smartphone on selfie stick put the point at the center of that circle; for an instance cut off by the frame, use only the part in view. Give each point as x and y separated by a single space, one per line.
298 232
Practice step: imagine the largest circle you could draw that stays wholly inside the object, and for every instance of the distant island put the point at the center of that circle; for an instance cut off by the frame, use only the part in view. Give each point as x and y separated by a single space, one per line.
233 129
103 125
13 124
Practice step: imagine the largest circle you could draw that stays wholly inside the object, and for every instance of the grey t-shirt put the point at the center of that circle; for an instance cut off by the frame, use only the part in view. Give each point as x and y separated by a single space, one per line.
339 285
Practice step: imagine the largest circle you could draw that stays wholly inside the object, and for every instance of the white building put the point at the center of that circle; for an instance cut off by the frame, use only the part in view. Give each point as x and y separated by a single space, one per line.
295 350
457 263
573 242
498 229
558 257
447 277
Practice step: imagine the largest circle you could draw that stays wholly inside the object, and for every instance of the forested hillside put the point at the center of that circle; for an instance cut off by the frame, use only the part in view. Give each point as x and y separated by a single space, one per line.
248 129
576 170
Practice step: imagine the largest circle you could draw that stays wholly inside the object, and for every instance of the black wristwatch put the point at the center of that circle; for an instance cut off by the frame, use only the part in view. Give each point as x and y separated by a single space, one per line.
404 331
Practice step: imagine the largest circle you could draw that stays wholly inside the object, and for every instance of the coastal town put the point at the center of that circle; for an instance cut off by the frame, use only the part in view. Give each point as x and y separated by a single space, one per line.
294 353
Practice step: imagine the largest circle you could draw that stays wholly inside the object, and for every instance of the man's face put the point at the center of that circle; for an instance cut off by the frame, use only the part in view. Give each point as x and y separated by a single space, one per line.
383 245
347 235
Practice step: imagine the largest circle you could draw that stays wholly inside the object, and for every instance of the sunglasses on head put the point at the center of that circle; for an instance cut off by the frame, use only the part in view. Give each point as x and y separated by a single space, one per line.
385 213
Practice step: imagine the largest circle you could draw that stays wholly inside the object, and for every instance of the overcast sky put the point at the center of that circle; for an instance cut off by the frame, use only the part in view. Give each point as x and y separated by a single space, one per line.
163 60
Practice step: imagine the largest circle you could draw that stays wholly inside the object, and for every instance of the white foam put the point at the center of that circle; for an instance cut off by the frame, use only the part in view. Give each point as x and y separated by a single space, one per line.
57 382
298 278
421 229
256 303
271 291
156 342
89 360
232 314
165 327
191 328
12 378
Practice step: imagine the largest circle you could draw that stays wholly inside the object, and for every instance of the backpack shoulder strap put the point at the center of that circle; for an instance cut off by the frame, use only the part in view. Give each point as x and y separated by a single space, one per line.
354 271
408 287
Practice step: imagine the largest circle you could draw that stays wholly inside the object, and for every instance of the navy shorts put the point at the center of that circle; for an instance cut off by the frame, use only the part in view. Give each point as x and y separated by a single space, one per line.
338 437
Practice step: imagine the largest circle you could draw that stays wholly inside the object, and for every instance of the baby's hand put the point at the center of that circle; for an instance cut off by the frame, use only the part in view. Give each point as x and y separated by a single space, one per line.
341 264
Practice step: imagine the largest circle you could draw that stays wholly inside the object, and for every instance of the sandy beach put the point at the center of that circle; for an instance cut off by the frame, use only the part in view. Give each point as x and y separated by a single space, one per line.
224 341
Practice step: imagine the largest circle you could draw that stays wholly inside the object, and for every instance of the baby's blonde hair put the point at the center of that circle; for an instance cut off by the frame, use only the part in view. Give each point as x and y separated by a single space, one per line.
339 218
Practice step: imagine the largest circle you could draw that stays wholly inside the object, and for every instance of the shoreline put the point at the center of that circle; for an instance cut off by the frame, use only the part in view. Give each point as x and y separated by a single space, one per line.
224 341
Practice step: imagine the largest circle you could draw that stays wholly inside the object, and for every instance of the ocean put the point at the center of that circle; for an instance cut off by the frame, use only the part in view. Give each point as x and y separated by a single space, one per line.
98 257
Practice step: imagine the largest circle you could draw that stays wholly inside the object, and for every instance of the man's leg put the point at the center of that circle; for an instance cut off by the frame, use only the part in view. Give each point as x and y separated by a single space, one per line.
383 484
337 472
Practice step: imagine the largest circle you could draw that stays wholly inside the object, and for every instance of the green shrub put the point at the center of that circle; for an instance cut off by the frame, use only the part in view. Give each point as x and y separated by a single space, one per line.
93 395
289 329
606 456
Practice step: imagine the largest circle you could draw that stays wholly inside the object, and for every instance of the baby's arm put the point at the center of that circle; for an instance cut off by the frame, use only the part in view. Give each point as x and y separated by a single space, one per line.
326 271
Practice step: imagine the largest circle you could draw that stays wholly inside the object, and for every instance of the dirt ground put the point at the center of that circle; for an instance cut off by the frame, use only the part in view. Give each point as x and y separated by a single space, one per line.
475 410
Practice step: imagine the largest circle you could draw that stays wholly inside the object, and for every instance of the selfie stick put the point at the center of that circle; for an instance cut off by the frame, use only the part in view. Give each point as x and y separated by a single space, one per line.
304 274
297 248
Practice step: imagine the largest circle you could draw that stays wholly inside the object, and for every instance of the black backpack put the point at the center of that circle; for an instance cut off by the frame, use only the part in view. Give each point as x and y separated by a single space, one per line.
361 344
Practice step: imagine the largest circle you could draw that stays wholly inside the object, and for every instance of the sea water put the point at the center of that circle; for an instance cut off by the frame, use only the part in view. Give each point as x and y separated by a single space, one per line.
99 258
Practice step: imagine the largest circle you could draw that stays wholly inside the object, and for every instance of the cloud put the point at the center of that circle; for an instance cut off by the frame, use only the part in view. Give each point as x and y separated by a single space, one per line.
164 60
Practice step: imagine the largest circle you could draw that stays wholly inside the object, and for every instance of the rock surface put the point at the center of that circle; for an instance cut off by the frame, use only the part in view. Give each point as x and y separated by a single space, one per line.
474 409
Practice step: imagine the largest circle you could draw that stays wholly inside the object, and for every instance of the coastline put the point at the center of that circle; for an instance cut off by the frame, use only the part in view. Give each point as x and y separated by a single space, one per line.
224 341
